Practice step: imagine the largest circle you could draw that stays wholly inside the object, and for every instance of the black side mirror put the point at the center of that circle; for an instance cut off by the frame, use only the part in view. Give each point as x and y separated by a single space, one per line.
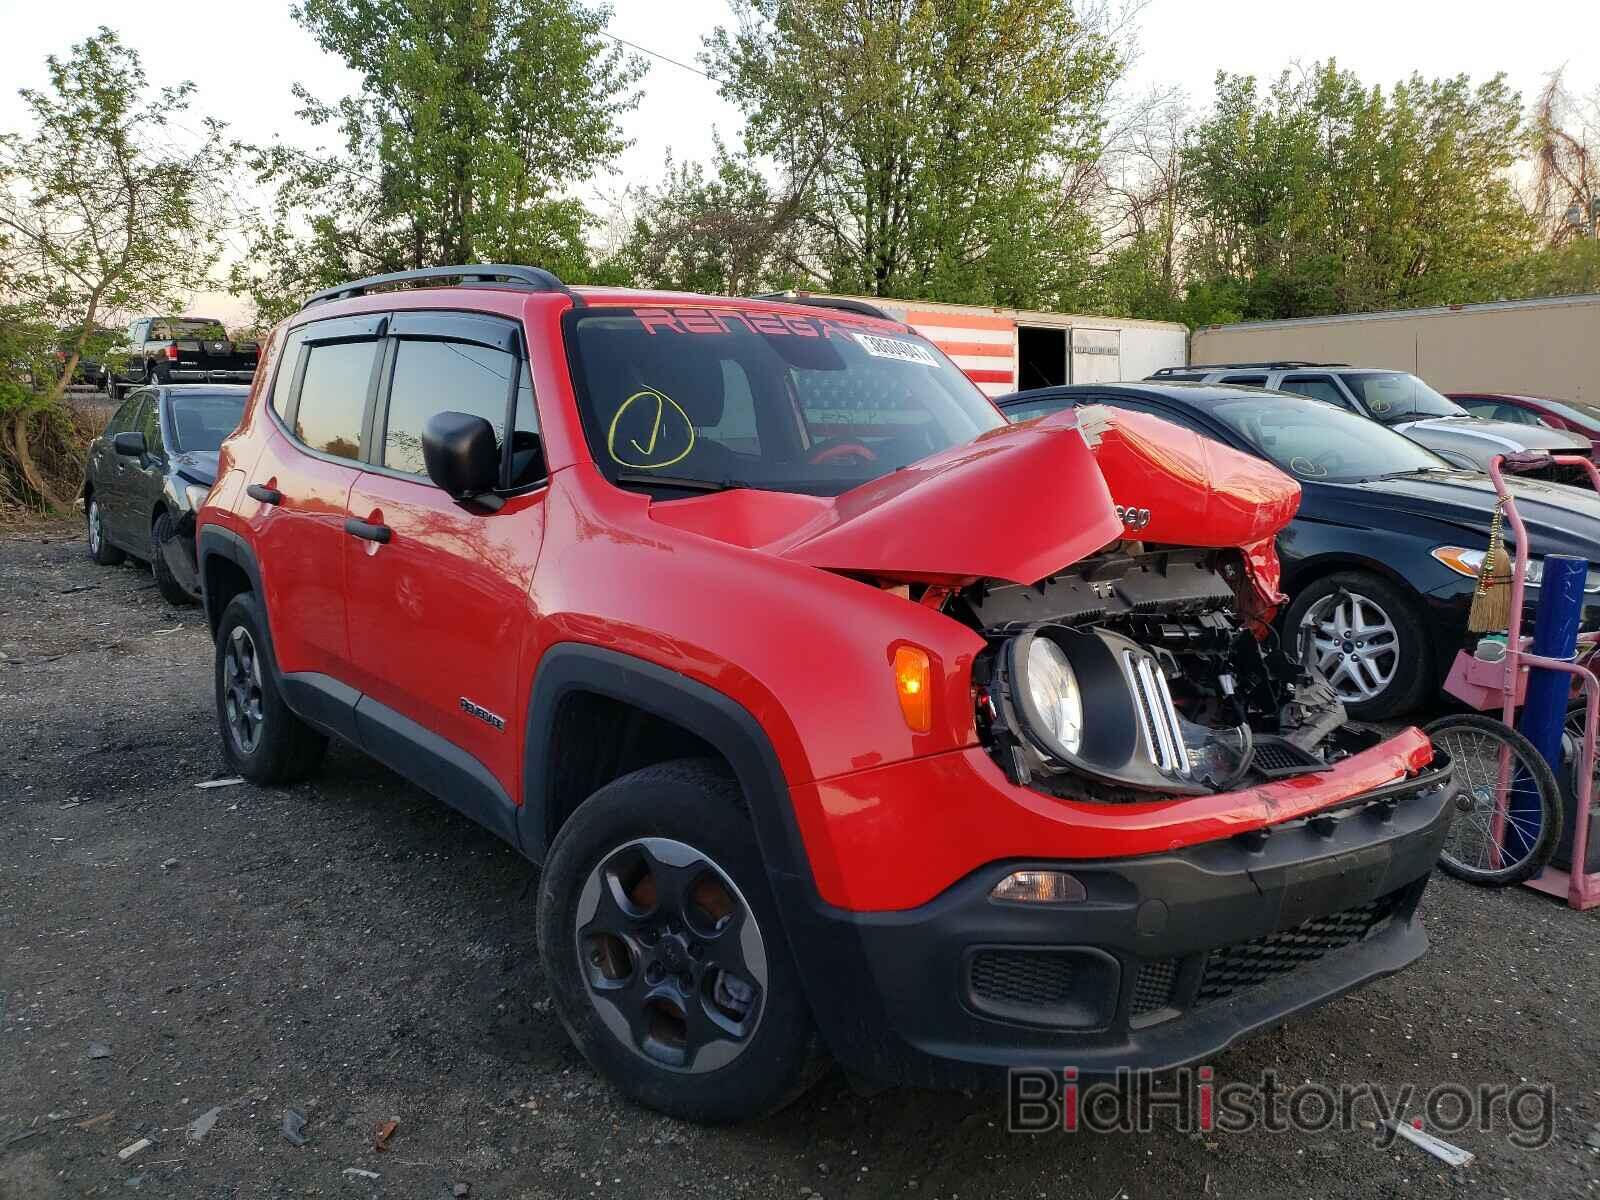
460 453
129 444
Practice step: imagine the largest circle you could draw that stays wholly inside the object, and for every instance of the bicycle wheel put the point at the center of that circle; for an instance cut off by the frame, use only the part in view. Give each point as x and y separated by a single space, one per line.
1485 847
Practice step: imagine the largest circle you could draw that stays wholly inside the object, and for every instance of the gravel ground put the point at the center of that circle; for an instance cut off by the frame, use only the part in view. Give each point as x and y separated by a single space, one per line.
356 952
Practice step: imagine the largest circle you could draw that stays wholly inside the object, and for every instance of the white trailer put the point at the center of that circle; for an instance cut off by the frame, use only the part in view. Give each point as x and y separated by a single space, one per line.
1006 349
1547 347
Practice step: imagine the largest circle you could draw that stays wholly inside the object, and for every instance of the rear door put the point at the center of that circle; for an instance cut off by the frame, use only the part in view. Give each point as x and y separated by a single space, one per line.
322 393
108 470
440 608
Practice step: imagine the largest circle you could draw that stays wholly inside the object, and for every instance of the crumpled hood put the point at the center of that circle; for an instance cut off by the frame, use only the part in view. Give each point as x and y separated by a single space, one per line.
1180 489
198 465
1016 503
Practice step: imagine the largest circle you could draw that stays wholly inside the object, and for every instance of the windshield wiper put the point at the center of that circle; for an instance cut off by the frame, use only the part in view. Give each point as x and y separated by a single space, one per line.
1412 471
682 482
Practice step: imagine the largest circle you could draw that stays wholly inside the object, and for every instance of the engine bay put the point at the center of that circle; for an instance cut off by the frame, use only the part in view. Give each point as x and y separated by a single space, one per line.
1135 674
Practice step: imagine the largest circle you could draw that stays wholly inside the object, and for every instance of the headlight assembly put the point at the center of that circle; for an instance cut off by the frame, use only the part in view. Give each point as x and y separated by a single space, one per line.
1094 702
1464 561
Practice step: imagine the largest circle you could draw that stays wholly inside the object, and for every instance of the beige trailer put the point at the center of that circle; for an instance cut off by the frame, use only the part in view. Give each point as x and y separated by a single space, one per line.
1006 349
1536 347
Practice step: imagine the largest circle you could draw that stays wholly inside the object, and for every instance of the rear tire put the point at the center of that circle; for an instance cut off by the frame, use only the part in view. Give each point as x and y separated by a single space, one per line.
698 1016
1373 646
172 591
263 739
100 547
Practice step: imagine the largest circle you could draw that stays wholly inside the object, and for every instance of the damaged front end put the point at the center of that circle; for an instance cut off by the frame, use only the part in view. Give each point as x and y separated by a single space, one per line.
1132 673
1150 667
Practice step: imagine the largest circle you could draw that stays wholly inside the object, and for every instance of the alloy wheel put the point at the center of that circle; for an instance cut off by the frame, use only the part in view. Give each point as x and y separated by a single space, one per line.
96 534
1354 644
241 683
671 955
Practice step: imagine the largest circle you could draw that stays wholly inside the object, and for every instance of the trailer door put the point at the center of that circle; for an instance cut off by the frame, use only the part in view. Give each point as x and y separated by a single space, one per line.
1096 355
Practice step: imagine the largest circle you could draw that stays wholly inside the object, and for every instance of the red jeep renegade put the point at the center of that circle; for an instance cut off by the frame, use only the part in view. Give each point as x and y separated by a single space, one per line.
844 719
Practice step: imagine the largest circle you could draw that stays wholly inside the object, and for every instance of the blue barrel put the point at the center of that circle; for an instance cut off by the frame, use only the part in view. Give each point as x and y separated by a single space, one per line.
1544 712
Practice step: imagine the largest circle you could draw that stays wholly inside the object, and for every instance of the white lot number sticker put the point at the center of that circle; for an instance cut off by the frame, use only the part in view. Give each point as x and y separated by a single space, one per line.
895 348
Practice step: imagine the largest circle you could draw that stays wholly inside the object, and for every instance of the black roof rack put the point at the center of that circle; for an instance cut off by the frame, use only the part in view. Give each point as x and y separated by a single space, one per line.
859 307
1278 365
502 275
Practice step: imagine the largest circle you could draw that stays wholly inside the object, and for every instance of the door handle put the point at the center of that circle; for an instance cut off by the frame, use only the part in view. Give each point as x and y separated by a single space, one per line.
366 531
261 492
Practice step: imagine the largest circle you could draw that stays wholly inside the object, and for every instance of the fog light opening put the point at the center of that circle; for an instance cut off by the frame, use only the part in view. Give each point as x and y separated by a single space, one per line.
1039 887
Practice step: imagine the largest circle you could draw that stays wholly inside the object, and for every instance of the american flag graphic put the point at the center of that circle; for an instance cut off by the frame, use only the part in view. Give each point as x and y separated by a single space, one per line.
983 346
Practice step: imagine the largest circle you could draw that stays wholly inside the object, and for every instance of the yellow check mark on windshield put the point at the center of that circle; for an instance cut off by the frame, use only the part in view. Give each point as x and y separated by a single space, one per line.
655 431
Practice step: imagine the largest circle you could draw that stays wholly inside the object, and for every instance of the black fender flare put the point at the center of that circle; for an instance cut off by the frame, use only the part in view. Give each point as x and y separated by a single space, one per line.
217 541
723 723
826 943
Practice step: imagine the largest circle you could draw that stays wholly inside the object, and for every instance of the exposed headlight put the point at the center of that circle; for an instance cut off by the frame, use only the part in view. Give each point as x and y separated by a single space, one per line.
1053 688
1470 562
196 495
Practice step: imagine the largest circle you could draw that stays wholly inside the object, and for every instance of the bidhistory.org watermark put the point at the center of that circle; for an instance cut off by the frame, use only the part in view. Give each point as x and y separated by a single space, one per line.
1191 1100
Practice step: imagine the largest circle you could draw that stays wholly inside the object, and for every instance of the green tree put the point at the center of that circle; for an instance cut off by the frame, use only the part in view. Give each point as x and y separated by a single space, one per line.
1322 195
928 147
100 212
723 230
474 120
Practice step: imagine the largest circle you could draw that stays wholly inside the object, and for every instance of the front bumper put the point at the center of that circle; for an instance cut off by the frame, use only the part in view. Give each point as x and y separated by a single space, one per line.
1171 958
194 375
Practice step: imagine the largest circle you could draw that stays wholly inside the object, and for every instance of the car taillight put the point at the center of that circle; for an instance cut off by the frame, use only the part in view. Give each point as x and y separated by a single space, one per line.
172 351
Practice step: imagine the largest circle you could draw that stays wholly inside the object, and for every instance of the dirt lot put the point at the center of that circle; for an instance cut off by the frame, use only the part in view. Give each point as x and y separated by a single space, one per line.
356 952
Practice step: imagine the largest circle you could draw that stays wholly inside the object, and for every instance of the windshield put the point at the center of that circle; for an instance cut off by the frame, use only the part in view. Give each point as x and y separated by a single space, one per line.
697 398
1395 396
201 422
1313 440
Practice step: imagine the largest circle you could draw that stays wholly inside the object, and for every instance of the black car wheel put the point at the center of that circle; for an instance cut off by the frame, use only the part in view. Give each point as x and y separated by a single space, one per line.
172 590
664 952
1367 637
100 547
263 739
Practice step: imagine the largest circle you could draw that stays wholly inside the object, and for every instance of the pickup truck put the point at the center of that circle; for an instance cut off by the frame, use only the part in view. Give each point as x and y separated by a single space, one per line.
180 350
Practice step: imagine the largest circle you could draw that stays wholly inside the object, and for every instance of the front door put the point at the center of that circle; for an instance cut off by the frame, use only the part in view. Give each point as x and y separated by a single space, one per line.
439 609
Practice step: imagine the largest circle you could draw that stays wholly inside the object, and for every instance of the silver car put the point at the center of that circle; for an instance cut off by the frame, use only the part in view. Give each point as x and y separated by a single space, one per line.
1403 402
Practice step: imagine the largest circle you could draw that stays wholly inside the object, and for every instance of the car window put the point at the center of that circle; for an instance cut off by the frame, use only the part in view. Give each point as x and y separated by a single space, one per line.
284 379
1142 406
736 397
333 398
1027 410
201 421
1516 415
1479 408
124 417
150 424
444 376
1245 380
1313 440
1396 396
1317 387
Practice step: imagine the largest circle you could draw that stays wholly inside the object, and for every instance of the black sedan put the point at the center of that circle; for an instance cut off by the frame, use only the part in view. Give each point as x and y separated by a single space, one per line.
1382 558
148 473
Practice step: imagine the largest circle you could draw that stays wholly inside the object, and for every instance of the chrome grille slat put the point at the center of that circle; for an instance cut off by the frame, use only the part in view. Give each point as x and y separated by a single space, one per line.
1158 719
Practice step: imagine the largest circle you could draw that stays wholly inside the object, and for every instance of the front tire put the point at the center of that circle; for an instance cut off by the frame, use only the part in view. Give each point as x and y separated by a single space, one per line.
172 591
100 547
1368 639
263 739
664 952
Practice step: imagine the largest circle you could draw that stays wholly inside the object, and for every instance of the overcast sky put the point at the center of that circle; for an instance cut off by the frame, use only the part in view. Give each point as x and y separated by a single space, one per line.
243 67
